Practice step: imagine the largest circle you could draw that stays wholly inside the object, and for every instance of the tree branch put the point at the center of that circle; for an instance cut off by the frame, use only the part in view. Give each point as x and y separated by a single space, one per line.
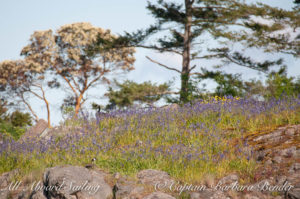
29 107
244 65
169 68
66 79
157 48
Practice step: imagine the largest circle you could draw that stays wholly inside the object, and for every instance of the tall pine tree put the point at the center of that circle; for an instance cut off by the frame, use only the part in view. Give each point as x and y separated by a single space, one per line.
184 29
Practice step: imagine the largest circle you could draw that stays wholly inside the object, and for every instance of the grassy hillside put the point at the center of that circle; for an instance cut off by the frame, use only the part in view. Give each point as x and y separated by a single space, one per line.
189 142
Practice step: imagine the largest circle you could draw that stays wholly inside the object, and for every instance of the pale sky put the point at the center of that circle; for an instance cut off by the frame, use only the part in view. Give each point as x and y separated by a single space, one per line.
19 19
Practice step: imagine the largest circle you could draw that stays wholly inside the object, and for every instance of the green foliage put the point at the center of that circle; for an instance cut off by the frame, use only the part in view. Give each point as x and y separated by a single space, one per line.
279 85
8 129
19 119
129 92
13 124
67 112
228 84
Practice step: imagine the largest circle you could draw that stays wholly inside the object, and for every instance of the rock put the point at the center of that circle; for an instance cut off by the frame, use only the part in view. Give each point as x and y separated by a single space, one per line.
298 153
208 194
117 175
275 134
154 177
76 182
277 159
268 162
171 107
4 194
293 194
294 168
260 155
5 180
128 189
290 132
158 195
40 129
248 196
37 195
289 152
229 179
280 180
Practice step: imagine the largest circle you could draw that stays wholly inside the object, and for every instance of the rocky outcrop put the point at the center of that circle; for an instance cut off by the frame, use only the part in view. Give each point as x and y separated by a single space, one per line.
40 129
154 177
75 182
158 195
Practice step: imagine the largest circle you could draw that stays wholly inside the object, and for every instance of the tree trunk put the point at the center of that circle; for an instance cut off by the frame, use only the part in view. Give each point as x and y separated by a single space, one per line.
48 113
185 72
78 104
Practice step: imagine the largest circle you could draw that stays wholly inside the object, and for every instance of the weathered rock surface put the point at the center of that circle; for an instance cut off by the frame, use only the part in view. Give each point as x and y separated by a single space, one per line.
76 182
158 195
153 177
294 194
126 188
209 194
5 180
229 179
40 129
37 195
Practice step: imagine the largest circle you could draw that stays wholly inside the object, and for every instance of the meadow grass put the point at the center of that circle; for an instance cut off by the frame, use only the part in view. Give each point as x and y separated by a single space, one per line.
206 138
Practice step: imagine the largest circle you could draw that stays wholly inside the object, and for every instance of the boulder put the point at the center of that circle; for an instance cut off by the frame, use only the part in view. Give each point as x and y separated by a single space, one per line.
75 182
126 188
293 194
37 195
229 179
158 195
154 177
40 129
208 194
5 180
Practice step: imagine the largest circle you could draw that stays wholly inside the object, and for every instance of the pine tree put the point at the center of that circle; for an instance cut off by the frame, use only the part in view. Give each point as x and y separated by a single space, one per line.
183 28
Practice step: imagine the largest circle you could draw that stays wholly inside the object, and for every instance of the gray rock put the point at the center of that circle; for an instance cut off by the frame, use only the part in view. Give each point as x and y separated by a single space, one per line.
280 179
290 131
75 182
260 155
277 159
154 177
294 168
268 162
128 189
37 195
4 194
248 196
40 129
289 152
5 180
293 194
229 179
158 195
268 136
208 194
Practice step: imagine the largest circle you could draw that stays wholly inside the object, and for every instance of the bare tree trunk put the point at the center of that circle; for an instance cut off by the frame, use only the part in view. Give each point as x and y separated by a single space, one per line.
29 107
185 76
78 103
47 106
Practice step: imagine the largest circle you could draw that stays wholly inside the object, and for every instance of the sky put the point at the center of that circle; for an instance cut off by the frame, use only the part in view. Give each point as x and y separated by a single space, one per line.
19 19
